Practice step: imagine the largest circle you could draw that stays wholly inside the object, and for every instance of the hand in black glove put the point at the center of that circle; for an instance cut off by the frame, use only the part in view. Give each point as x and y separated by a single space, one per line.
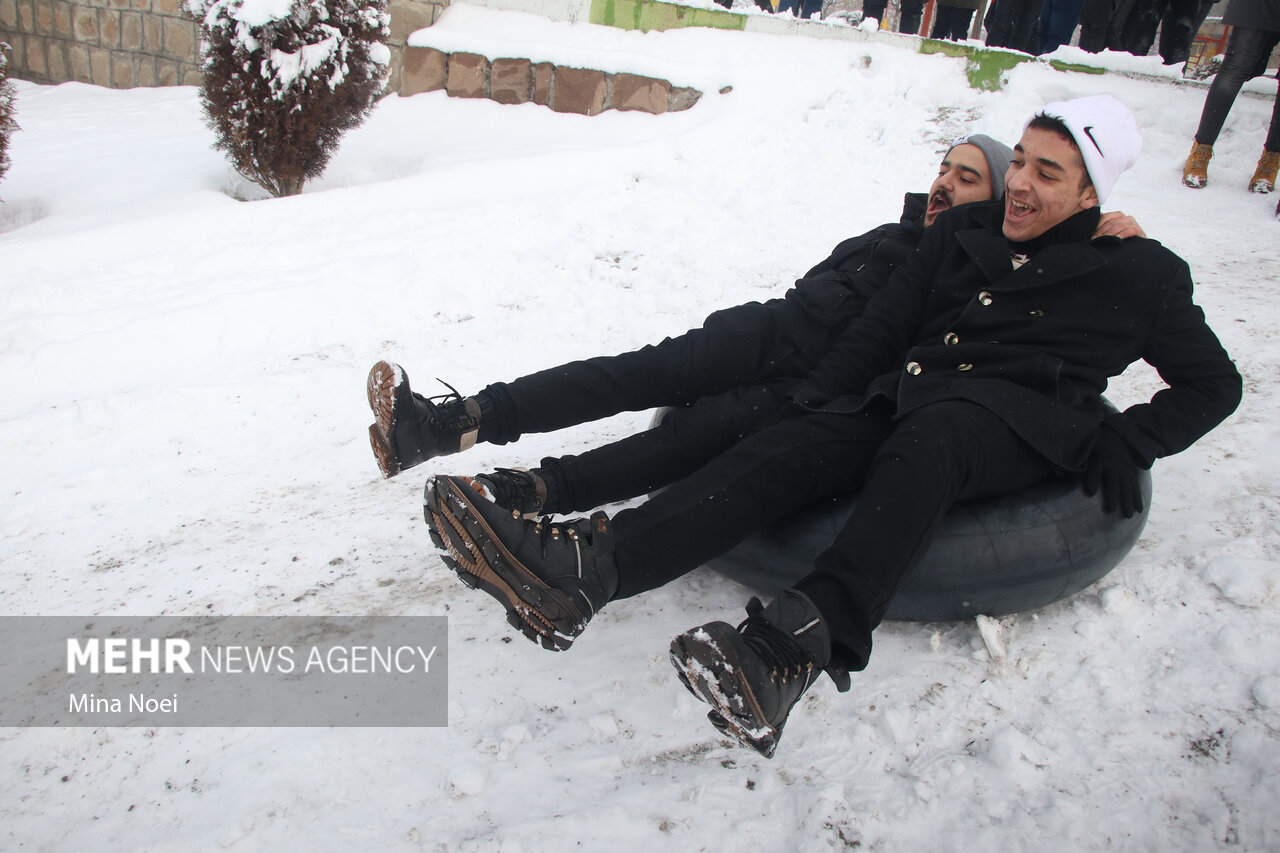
1112 468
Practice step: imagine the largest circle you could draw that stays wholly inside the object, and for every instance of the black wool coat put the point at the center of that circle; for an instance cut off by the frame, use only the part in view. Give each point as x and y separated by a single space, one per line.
1253 14
1035 345
839 287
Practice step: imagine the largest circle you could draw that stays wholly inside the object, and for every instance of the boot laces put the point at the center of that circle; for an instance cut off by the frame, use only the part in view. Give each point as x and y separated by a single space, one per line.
786 659
548 533
448 410
514 488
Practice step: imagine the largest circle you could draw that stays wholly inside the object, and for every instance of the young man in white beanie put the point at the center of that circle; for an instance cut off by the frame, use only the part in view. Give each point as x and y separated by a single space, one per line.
977 370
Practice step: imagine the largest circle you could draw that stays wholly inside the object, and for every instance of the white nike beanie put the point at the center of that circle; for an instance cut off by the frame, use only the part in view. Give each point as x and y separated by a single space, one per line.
1106 133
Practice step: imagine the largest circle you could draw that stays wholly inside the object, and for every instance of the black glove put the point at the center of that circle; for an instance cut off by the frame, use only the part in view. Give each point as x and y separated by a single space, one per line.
1113 468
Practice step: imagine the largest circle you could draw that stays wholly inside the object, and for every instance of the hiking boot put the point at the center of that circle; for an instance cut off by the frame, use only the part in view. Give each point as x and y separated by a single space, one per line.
409 429
1196 171
1264 176
550 577
515 490
753 676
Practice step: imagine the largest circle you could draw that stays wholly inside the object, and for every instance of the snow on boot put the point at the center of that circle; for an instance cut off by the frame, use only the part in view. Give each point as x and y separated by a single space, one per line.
754 675
409 429
550 577
1264 176
1196 171
515 489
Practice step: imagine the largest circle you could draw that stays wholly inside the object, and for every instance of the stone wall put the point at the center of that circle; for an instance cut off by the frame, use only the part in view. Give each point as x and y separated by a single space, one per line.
407 16
115 43
126 43
585 91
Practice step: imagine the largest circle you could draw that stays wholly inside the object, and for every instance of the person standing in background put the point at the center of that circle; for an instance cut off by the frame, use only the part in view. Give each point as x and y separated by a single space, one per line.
953 18
1255 34
908 20
800 8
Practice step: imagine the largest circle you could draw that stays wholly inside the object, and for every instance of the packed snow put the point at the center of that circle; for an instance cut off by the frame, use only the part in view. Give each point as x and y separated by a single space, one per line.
184 431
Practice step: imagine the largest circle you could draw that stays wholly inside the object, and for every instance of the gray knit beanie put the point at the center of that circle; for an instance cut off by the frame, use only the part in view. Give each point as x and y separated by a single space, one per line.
998 157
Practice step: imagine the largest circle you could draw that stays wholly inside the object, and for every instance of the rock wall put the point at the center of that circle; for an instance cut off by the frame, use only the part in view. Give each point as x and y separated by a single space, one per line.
125 43
564 89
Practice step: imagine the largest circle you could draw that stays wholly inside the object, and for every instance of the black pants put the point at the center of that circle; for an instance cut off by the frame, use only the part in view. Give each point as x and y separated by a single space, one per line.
1139 31
1014 24
951 22
1102 24
1246 58
909 14
687 438
722 379
1179 24
1058 19
909 473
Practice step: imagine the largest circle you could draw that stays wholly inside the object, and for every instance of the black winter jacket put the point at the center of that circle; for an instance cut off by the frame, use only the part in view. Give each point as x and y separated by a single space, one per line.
839 288
1035 345
1253 14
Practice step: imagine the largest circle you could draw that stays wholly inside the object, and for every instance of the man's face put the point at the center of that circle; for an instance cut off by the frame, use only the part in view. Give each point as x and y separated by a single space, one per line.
963 177
1043 185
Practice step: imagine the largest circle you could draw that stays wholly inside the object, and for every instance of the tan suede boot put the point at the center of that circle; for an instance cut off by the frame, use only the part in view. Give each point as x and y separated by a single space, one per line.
1196 172
1264 177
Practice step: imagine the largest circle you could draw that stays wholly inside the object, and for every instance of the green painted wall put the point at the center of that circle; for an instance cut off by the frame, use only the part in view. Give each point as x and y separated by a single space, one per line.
648 15
986 68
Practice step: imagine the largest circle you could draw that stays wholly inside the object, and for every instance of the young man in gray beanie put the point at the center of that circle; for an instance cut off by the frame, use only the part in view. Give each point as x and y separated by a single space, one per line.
722 378
977 370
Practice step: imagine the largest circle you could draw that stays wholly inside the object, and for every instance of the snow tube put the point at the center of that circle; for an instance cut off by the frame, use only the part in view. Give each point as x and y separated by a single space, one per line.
993 556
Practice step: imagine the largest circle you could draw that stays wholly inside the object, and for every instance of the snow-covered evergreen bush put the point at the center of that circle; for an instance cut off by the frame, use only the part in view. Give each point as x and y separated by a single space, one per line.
7 124
284 79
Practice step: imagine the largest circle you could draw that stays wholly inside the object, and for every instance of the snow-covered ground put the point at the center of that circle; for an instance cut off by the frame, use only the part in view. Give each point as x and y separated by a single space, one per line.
183 430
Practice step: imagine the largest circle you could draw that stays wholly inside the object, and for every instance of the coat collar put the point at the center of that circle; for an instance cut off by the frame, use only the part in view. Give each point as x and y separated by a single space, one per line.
989 251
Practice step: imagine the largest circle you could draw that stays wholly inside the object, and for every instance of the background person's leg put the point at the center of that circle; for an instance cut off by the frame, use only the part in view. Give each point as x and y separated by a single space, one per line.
1246 50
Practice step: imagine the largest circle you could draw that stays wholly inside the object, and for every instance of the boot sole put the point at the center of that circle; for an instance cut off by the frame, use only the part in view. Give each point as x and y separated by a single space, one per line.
381 389
709 670
476 554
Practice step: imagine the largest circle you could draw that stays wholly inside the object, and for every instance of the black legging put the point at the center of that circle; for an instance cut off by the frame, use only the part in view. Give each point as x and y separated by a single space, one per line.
1246 58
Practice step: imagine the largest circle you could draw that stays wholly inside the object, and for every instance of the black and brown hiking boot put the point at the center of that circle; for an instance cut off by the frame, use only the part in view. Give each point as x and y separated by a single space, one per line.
409 429
752 676
551 577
